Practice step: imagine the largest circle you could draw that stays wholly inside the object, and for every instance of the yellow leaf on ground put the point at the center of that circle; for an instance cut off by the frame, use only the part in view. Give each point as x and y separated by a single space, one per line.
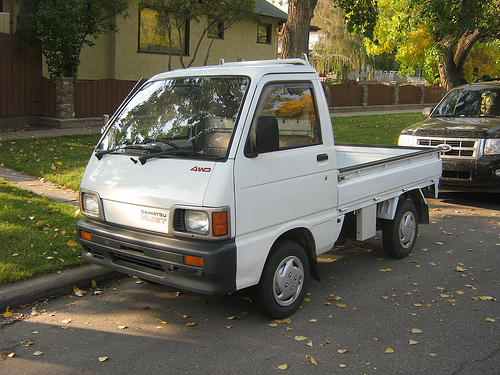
7 313
416 330
342 351
310 343
389 350
190 324
300 338
313 361
307 300
71 243
413 342
284 366
37 353
103 359
490 320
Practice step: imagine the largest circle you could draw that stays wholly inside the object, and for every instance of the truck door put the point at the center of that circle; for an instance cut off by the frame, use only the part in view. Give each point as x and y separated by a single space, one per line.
284 183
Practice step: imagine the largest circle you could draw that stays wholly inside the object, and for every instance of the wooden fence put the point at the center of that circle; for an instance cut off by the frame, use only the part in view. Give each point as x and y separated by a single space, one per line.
96 98
376 93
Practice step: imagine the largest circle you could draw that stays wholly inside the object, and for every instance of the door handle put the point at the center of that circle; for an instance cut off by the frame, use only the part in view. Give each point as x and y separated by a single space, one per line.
322 157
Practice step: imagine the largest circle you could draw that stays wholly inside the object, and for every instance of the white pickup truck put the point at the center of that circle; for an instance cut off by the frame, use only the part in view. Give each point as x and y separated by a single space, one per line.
220 178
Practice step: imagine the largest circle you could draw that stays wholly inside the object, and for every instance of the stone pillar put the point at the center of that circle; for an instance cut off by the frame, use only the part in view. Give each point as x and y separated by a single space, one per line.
395 93
364 93
64 98
421 93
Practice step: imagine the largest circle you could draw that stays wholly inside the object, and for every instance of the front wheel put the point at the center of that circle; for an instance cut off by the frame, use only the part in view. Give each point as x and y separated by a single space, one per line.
284 281
399 235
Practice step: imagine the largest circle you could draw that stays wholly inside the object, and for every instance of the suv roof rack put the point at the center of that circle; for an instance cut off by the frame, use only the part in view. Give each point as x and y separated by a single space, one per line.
486 79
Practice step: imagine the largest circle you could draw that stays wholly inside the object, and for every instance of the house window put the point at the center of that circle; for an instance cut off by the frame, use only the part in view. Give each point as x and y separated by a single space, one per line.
158 35
264 32
216 31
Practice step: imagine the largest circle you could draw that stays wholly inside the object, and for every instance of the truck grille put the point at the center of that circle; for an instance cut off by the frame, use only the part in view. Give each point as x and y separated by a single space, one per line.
460 147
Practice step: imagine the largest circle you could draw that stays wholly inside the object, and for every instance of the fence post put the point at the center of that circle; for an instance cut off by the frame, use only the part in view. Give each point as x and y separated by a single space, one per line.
395 93
64 98
421 94
364 93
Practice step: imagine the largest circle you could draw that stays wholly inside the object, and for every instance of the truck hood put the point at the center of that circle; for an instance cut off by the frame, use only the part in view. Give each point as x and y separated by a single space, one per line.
142 195
457 127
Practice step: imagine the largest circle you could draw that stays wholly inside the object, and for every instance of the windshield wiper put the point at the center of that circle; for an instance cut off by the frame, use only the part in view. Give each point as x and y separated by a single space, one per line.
145 158
99 154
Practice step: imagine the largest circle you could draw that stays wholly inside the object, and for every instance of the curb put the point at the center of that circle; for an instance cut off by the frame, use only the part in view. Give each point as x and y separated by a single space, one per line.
54 284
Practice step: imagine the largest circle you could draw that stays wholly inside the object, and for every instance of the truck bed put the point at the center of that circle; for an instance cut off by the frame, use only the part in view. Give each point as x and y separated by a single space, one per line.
370 174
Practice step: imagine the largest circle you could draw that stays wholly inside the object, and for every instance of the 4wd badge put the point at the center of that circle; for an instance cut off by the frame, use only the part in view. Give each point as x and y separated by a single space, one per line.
200 169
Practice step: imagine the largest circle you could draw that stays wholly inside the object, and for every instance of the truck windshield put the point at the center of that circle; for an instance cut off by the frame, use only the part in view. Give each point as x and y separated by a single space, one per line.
182 117
470 102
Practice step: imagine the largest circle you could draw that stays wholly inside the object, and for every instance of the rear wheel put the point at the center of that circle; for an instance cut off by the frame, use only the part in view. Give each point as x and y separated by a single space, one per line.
284 281
399 235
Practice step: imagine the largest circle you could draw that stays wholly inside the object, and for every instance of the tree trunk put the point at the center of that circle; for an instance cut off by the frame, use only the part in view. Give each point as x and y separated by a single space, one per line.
451 66
296 29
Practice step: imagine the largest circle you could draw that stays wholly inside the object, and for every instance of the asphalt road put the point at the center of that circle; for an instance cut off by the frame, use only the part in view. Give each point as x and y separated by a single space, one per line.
436 312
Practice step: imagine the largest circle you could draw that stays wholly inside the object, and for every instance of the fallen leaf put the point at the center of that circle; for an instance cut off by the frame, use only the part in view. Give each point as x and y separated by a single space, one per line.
486 298
71 243
309 343
190 324
307 300
313 361
416 330
231 317
37 353
432 354
389 350
312 320
162 321
342 351
342 365
7 313
300 338
78 292
94 284
460 269
459 292
122 327
66 321
284 366
490 320
103 359
287 320
340 304
413 342
273 324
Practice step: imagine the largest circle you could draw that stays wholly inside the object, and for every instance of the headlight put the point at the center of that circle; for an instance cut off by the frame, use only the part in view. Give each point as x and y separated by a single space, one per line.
196 222
492 146
210 223
406 140
90 204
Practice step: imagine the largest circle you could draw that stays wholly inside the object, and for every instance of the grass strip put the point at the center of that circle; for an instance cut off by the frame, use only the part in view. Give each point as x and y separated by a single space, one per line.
36 235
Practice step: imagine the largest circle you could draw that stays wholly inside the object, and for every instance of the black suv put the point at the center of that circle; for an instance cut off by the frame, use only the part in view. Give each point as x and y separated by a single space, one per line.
466 125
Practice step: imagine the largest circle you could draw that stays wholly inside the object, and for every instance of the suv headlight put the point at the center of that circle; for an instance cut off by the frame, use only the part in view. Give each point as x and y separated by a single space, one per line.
90 204
492 146
406 140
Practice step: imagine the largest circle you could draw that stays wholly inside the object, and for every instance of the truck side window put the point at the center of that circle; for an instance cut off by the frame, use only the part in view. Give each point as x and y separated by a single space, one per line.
293 105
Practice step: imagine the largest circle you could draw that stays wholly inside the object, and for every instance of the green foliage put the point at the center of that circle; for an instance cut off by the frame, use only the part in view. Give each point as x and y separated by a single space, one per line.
457 35
37 235
61 160
63 28
360 16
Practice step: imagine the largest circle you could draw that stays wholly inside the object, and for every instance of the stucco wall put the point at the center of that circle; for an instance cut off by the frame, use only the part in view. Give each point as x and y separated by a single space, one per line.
116 55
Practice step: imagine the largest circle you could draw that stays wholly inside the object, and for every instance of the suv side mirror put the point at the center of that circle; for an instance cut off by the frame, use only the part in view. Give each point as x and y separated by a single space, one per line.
427 112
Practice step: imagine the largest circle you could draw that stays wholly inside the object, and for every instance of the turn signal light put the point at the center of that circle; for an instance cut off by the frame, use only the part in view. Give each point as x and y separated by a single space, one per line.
219 224
85 235
191 260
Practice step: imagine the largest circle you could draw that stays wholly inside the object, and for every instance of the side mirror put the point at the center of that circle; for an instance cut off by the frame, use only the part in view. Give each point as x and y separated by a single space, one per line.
427 112
266 136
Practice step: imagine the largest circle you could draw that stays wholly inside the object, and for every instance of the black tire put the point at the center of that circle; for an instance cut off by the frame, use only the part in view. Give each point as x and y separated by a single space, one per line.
399 235
284 281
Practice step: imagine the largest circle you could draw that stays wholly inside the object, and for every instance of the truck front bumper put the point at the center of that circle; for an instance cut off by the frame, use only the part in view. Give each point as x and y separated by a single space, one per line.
160 258
481 174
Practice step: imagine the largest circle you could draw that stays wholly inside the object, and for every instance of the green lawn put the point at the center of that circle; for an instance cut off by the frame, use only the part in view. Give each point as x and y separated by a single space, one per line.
372 129
36 235
58 159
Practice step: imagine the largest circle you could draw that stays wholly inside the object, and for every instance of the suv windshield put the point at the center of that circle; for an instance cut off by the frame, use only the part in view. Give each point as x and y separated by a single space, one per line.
188 117
470 102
